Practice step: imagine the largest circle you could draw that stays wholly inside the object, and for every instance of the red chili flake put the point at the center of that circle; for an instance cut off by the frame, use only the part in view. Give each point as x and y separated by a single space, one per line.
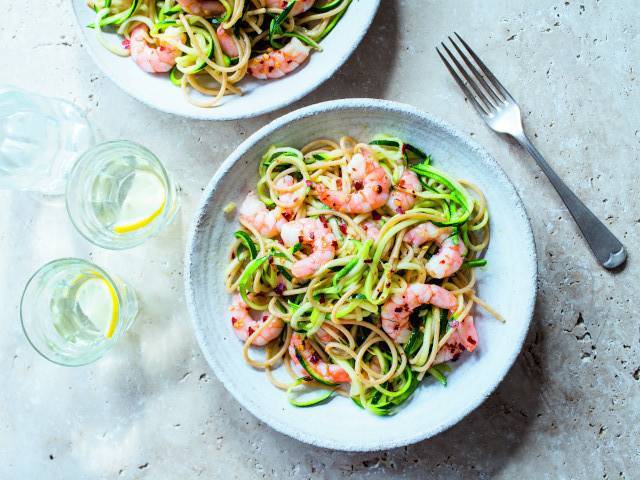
455 357
300 238
368 260
312 236
358 185
250 331
270 68
233 255
397 309
126 43
321 298
265 318
378 189
339 183
403 149
279 288
314 358
471 341
375 215
280 241
324 221
233 320
287 215
343 228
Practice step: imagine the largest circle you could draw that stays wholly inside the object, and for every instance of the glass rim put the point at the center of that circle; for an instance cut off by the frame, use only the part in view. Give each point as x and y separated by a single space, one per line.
169 206
22 303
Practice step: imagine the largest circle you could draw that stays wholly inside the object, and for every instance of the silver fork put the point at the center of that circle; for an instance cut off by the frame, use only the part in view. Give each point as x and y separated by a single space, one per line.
502 114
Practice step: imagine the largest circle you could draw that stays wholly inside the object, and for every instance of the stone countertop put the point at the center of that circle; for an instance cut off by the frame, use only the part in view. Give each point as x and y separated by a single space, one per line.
152 409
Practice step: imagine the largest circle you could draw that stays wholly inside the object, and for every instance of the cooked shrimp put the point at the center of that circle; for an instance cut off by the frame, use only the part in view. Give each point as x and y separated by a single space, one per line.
371 229
269 222
327 371
465 337
423 233
310 231
403 198
227 42
290 199
370 183
301 6
448 260
278 63
158 58
203 8
396 311
449 257
245 325
255 213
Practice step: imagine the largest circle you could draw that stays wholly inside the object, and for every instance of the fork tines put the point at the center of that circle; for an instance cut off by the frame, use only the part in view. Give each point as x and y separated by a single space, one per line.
486 93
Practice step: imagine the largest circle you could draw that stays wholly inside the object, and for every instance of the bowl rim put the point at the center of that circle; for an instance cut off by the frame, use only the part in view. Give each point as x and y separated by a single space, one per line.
210 113
318 109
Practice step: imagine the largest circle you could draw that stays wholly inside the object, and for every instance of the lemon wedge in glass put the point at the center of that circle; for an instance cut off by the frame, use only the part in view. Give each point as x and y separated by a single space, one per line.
98 300
144 201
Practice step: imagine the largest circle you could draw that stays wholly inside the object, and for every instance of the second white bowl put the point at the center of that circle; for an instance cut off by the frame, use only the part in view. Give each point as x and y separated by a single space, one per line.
259 96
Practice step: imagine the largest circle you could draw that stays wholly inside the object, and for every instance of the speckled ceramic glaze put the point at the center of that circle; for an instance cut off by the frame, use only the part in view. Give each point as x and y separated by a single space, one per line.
259 96
508 283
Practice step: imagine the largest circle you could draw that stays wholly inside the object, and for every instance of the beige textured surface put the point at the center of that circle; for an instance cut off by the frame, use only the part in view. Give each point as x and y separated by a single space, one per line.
152 410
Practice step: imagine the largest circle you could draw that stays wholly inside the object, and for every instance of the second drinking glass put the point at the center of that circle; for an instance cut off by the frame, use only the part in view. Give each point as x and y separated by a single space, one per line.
119 195
72 311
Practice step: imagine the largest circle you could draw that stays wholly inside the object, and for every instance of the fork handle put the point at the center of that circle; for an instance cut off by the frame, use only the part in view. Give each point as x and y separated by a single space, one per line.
604 245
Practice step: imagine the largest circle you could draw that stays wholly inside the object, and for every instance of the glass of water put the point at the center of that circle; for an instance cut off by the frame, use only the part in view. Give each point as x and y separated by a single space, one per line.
119 195
72 311
40 138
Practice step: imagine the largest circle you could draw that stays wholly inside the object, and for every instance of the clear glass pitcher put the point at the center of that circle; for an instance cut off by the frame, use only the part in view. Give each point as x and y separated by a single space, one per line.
40 138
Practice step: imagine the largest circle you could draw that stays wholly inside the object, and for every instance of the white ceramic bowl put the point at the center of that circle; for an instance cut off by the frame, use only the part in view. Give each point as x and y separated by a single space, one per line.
508 283
259 97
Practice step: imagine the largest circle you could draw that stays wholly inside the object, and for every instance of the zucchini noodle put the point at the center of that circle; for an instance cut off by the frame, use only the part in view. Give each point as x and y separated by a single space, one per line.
204 69
336 311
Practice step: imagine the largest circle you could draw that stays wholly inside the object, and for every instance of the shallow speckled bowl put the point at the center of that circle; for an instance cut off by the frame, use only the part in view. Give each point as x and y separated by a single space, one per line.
508 283
259 96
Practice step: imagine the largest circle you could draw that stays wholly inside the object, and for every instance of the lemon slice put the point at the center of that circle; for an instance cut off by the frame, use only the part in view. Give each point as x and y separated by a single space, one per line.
145 200
98 301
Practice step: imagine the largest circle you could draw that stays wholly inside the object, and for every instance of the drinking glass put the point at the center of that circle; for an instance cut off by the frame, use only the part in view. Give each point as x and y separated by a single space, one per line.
40 138
73 312
119 195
